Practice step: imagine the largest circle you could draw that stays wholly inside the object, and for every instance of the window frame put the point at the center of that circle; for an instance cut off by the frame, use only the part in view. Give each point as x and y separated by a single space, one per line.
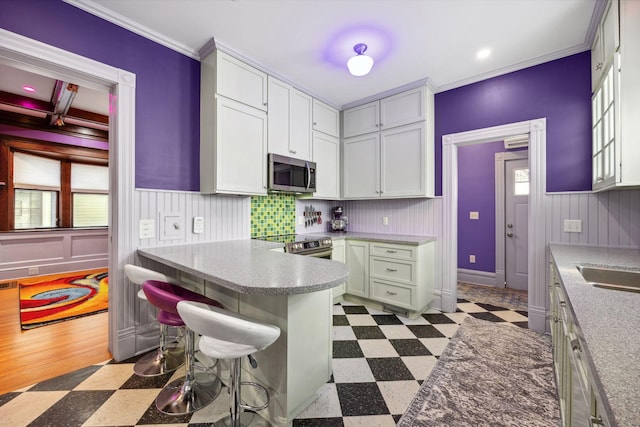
66 154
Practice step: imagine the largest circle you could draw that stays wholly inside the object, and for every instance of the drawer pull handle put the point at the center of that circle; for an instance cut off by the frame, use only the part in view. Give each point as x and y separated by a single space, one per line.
575 345
389 251
563 303
391 293
391 270
593 421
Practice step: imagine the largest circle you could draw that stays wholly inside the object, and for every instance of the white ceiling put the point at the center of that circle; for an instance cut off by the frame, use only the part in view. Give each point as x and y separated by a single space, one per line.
308 42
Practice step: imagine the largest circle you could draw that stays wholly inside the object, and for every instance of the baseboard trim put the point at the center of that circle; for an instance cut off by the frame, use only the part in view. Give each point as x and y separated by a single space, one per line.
477 277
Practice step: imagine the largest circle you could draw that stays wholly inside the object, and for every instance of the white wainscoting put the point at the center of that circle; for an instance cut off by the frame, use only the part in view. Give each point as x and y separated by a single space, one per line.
50 252
225 217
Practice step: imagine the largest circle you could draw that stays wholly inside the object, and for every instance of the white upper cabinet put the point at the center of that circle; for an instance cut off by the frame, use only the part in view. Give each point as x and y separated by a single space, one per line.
605 43
326 155
233 127
326 119
403 108
289 120
239 81
615 107
396 159
362 119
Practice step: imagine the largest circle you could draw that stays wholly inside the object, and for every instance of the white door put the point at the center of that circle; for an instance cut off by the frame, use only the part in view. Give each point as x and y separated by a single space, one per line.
516 204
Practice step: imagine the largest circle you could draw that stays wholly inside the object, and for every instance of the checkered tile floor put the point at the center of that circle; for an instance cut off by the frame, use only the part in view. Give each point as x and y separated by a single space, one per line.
380 360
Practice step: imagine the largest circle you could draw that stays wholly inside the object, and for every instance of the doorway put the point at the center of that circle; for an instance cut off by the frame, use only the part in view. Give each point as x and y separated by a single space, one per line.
512 201
31 55
536 256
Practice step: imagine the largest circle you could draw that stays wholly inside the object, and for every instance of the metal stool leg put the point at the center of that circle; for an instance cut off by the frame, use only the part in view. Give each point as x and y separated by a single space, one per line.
162 361
195 391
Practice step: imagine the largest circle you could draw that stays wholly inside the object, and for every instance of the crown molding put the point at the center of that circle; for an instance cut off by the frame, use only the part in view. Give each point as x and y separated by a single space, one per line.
422 82
133 26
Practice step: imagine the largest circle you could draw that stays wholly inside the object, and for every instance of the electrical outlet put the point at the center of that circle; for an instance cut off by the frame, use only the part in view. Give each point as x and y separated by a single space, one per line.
33 271
472 259
474 215
300 220
573 226
385 220
147 229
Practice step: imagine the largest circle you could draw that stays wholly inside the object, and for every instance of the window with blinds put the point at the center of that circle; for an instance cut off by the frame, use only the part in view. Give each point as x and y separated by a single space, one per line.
90 195
37 183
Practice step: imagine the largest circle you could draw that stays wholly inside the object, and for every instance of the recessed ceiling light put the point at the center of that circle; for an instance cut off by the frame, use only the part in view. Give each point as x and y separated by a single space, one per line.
483 53
29 88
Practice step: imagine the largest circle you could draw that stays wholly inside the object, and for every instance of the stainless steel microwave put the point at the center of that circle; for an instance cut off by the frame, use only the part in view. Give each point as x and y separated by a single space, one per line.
291 175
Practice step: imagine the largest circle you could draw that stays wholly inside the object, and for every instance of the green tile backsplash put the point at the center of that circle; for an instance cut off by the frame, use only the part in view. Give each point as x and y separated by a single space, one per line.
273 214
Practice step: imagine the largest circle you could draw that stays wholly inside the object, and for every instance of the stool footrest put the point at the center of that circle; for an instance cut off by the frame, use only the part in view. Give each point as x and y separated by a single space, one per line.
266 393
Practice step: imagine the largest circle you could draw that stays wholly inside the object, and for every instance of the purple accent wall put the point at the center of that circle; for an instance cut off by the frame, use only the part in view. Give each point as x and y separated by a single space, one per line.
559 90
476 192
167 85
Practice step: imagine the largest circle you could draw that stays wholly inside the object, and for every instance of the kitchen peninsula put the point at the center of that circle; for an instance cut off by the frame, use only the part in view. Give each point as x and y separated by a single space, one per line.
290 291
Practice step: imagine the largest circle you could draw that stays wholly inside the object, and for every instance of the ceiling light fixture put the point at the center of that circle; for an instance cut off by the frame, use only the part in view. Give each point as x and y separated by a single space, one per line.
361 64
28 88
483 53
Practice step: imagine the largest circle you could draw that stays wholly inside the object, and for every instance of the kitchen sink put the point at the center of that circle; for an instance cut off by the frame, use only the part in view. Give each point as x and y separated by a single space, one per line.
611 277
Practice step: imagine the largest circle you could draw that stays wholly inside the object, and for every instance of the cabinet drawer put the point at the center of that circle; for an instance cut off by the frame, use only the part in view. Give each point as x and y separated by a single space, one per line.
390 293
397 271
394 251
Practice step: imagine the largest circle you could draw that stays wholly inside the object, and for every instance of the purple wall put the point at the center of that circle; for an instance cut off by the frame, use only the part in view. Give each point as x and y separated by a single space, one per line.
559 90
167 85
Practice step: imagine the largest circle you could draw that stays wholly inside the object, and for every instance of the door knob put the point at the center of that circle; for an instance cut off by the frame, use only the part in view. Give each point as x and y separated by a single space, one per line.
509 225
509 234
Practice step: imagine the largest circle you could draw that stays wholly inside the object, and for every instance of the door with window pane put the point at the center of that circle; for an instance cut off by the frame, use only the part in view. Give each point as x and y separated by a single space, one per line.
517 223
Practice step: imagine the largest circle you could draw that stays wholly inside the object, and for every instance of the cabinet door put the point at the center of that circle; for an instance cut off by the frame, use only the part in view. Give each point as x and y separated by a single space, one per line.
610 32
403 108
300 125
326 119
604 132
361 167
326 155
597 62
278 129
240 82
402 161
361 120
241 143
358 261
338 254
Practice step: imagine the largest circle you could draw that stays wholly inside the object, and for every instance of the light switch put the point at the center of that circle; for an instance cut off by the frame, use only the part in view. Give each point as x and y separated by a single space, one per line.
171 226
198 225
573 226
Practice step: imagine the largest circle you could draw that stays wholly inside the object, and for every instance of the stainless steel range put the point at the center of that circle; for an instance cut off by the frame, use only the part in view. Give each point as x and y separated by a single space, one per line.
299 244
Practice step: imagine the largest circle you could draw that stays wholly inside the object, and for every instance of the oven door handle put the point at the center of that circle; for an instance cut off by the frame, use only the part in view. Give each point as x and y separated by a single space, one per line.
308 175
320 254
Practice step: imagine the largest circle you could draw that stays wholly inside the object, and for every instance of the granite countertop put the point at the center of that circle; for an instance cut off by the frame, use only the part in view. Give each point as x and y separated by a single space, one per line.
400 239
609 322
247 266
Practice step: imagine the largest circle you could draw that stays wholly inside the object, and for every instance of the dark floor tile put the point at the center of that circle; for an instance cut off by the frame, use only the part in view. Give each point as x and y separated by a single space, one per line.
136 381
74 409
425 331
368 332
437 318
396 418
386 319
66 382
340 320
7 397
524 325
487 316
318 422
361 399
346 349
490 307
355 309
462 300
523 312
153 416
389 369
409 347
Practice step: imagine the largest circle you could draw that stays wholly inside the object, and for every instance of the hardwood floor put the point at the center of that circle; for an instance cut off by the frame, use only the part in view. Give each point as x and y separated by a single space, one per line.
28 357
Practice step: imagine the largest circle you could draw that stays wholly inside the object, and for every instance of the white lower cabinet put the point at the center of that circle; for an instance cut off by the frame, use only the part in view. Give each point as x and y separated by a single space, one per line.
580 402
400 277
338 254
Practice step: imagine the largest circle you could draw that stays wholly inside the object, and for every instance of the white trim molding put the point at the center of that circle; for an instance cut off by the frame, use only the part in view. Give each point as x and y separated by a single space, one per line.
536 251
31 55
477 277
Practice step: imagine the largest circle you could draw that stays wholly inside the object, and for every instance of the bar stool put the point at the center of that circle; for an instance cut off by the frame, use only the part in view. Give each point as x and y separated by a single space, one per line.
165 359
227 335
195 390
